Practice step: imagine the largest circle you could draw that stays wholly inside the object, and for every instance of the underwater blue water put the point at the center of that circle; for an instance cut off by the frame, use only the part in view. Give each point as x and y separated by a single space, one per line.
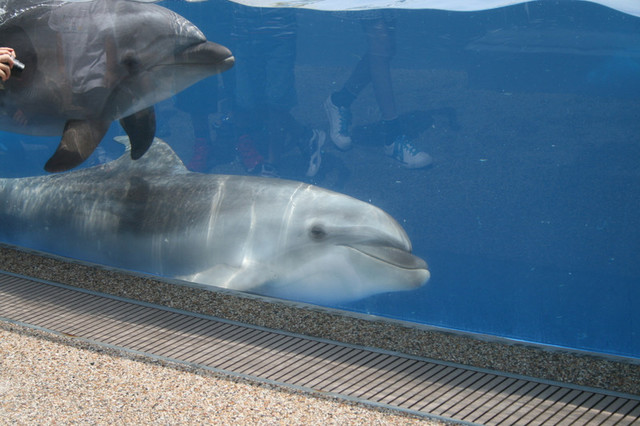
529 217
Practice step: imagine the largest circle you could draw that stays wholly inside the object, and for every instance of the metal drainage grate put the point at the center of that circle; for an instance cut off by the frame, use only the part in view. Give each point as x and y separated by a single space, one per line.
401 382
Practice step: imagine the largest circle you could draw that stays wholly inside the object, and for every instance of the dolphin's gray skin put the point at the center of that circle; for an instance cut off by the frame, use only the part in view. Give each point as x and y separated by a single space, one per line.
268 236
89 63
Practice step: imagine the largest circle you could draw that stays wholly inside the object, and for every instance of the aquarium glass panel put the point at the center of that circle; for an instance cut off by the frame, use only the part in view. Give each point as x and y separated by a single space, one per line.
473 167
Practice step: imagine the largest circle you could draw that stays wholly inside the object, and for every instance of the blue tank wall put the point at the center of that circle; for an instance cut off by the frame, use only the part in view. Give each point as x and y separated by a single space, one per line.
529 216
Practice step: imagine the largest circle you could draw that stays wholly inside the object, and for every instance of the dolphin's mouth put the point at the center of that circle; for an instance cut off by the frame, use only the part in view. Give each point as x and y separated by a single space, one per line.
208 54
391 255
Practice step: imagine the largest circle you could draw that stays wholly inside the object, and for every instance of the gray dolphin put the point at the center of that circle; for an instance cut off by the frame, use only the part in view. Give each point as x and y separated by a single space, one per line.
268 236
89 63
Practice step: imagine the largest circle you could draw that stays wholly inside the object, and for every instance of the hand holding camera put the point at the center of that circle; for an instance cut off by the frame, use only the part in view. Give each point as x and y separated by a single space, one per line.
8 62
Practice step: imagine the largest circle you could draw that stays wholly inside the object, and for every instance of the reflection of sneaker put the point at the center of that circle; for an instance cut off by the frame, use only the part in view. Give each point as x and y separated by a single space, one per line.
313 150
248 153
404 151
339 123
268 170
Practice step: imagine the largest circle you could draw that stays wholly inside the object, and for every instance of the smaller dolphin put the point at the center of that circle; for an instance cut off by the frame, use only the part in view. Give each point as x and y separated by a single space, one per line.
88 63
267 236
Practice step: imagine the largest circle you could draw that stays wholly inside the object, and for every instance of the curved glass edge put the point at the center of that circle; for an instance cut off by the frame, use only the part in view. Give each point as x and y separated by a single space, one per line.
630 7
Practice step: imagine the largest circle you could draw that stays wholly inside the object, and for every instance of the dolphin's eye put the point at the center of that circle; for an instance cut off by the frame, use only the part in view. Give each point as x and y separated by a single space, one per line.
317 233
131 63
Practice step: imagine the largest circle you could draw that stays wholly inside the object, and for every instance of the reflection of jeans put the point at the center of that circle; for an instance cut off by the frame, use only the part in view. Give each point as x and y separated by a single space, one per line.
381 47
265 52
265 73
374 66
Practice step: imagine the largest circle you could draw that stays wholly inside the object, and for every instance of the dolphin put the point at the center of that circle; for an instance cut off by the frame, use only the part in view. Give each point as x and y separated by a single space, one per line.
88 63
267 236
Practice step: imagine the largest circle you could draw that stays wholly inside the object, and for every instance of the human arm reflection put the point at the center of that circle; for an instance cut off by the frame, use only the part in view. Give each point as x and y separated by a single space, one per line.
7 55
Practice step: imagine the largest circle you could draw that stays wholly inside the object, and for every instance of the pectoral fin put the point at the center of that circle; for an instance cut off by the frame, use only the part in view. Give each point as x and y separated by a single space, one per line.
79 139
141 129
232 277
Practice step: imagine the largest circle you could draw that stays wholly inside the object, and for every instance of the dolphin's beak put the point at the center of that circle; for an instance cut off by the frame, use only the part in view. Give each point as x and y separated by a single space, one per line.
208 54
397 258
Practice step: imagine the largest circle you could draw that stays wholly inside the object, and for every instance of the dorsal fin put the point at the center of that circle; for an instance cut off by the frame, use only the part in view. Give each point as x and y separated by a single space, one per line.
158 159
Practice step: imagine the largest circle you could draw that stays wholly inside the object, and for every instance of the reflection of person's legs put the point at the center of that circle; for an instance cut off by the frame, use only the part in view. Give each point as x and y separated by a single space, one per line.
374 68
248 124
281 97
338 104
381 40
281 128
249 110
199 100
265 87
